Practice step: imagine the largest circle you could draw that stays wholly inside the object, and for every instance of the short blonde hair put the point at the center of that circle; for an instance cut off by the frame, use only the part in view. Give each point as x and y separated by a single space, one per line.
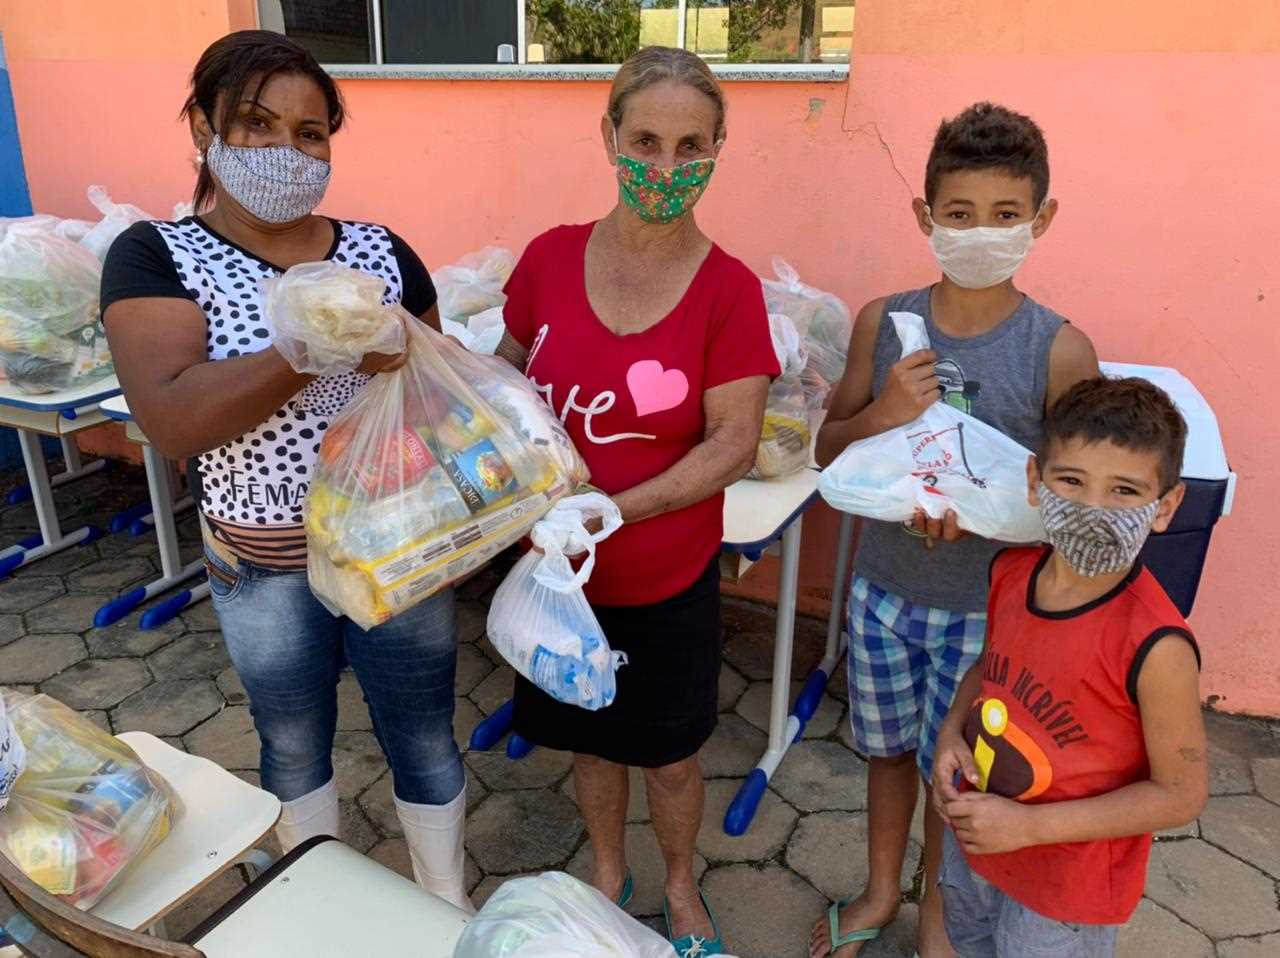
657 65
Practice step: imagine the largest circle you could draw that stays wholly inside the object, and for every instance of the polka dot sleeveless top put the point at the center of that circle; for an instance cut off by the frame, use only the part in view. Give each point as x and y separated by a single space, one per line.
256 484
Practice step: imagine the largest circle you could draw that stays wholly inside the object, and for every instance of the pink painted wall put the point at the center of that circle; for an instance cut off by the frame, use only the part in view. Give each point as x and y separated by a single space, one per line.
1161 122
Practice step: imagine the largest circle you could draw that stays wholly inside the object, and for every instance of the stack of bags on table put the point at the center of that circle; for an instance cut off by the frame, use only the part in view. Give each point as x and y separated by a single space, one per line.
78 808
470 298
432 469
51 336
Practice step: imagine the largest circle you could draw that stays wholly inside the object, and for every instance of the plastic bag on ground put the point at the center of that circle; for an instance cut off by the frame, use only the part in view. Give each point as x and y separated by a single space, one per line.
116 218
823 322
553 915
325 317
51 336
944 460
85 809
427 474
540 620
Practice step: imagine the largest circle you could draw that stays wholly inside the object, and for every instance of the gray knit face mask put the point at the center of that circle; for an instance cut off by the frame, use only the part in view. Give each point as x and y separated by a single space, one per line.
1095 540
277 184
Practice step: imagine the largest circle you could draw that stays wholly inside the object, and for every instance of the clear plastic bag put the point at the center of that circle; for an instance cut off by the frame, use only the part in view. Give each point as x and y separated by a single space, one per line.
553 915
785 438
116 218
427 474
540 620
823 322
85 809
325 317
51 336
944 460
474 284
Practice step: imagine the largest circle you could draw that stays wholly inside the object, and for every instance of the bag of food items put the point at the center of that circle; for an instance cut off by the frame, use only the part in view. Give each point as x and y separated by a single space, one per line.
116 218
785 439
540 620
82 809
470 298
431 470
945 459
51 336
822 320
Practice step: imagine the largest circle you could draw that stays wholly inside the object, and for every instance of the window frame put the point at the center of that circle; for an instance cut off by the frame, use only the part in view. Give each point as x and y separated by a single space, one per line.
523 70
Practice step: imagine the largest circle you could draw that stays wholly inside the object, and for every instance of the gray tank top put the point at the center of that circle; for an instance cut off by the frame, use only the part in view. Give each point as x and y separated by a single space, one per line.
999 377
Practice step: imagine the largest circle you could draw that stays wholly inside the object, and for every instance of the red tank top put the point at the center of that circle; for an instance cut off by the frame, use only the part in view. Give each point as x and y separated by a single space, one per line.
1058 719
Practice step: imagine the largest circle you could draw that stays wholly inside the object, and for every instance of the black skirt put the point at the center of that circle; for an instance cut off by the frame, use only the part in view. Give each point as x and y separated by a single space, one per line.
668 692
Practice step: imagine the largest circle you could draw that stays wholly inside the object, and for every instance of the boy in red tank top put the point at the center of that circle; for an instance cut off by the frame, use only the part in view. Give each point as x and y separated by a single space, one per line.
1078 733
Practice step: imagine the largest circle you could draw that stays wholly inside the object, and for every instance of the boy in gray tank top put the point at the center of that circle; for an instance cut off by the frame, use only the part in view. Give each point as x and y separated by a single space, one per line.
917 601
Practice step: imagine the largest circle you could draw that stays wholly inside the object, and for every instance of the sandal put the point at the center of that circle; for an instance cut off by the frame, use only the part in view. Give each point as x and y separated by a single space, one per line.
838 940
628 890
695 946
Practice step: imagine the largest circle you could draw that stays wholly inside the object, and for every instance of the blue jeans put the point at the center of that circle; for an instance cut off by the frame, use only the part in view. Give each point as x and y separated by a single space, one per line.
289 649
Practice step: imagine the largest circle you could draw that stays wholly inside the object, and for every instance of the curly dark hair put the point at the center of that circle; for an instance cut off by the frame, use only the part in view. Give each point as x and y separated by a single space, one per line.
1132 413
244 60
989 137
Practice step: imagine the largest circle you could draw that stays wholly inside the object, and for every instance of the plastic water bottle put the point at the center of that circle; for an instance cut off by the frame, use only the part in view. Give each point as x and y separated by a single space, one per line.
571 679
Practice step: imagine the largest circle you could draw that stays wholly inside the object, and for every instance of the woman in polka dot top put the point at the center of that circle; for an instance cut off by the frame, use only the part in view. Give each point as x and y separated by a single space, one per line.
183 309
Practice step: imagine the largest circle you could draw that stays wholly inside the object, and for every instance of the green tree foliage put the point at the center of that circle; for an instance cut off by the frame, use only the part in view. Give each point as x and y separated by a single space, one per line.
587 31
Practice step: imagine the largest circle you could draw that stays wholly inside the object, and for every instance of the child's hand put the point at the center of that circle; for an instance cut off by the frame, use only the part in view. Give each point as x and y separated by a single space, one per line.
951 755
909 389
987 824
947 528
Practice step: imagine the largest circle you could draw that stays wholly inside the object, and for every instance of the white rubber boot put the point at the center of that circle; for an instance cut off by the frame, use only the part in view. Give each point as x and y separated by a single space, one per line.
315 813
434 836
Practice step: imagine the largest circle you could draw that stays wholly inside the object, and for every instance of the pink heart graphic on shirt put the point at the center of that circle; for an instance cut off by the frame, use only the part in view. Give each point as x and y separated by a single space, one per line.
654 389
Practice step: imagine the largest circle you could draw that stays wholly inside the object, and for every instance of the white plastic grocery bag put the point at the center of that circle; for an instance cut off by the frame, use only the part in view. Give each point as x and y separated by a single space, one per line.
13 755
943 460
540 620
553 915
785 436
116 218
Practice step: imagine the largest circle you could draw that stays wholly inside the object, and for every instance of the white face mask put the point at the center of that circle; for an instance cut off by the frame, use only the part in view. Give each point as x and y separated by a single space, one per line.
982 256
277 184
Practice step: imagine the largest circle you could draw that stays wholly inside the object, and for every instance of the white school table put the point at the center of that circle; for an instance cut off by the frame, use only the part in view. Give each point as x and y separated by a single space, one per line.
757 515
160 487
61 414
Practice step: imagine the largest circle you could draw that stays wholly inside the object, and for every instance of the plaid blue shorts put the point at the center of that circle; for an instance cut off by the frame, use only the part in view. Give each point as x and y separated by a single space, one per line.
905 662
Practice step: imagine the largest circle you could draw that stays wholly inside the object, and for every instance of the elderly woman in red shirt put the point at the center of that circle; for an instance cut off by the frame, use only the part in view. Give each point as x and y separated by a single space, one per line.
652 345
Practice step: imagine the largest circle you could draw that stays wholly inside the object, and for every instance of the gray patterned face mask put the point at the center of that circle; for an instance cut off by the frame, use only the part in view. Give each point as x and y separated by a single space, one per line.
277 184
1095 540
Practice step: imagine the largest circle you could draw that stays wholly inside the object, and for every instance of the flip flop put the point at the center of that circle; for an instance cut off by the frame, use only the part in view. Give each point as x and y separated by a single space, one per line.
628 890
838 941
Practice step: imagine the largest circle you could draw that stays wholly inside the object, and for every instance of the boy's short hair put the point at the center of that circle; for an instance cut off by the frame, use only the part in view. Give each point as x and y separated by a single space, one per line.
989 137
1132 413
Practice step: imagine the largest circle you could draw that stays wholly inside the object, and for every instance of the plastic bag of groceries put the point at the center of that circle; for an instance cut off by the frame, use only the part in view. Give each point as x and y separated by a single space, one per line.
83 808
480 333
116 218
824 325
944 460
474 283
51 336
540 620
431 470
785 438
553 915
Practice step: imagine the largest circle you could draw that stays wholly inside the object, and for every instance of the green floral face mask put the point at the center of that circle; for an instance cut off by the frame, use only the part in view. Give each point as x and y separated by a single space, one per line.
660 196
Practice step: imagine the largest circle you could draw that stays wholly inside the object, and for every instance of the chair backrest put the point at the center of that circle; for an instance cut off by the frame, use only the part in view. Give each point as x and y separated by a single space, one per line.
61 930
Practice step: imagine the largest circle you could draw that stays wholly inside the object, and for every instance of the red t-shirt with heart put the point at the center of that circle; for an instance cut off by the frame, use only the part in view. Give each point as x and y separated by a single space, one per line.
633 404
